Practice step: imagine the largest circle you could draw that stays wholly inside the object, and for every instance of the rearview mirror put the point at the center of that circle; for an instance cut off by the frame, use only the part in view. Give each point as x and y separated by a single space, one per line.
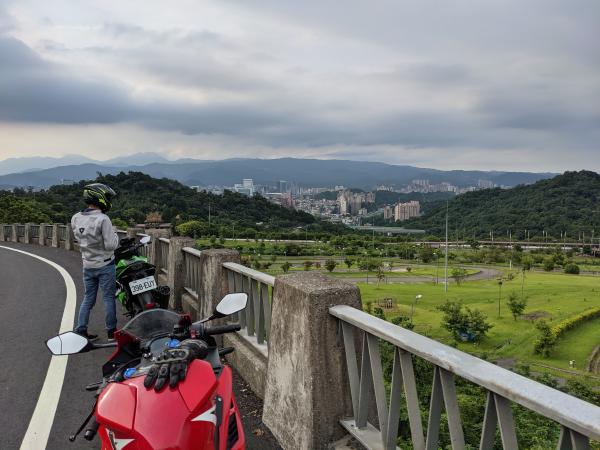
145 240
231 304
67 343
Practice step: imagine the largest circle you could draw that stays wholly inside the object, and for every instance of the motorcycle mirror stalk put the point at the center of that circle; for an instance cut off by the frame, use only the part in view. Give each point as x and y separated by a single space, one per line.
69 343
230 304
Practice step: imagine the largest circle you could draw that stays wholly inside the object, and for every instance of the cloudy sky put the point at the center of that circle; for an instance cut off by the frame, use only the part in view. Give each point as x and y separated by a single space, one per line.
511 84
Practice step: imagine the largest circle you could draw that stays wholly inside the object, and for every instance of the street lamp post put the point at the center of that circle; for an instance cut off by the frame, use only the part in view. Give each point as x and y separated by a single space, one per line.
499 295
412 309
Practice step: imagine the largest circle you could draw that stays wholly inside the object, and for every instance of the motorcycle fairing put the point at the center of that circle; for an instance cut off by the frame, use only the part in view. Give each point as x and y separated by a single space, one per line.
162 420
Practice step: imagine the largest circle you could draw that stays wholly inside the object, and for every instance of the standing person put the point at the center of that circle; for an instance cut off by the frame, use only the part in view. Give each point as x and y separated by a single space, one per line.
97 240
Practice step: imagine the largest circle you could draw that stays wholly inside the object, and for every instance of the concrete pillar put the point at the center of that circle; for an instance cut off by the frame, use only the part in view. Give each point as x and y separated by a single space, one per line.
70 240
213 279
55 236
2 232
27 237
176 269
15 237
42 236
306 388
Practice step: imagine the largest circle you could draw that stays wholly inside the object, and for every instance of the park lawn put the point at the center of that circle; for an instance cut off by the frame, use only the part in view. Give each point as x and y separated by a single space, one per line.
557 295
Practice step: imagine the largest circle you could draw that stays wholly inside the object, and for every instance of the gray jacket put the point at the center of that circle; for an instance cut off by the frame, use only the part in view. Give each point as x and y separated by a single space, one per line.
97 239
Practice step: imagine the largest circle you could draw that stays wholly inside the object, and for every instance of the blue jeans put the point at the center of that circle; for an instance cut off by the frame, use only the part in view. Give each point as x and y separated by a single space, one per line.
105 279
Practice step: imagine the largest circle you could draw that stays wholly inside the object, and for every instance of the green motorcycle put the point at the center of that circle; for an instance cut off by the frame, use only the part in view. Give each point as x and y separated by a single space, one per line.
137 289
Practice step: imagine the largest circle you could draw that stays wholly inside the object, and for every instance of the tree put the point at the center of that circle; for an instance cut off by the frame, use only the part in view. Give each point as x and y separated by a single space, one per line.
549 264
516 304
349 262
286 267
458 273
469 324
527 262
426 253
330 265
546 339
572 269
307 265
380 274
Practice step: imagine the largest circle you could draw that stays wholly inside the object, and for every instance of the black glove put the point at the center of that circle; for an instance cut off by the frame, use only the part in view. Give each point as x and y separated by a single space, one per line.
171 365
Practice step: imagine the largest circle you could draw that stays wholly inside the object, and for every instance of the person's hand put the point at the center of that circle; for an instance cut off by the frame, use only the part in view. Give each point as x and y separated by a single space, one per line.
171 365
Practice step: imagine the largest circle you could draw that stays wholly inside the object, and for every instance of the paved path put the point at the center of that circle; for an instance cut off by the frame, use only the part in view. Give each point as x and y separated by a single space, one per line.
484 273
32 299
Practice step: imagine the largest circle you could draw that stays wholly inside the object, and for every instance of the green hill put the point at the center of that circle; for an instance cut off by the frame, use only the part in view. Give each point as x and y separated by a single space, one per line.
139 194
566 203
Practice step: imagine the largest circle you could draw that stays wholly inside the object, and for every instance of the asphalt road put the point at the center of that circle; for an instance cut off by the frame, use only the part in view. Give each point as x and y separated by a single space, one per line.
32 299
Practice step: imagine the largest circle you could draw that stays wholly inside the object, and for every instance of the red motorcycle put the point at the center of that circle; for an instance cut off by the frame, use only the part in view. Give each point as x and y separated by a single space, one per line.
195 409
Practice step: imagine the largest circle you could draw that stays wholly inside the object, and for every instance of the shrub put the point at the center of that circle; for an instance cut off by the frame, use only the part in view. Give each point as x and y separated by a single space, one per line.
560 328
470 323
516 304
549 264
286 267
307 265
458 273
330 265
546 339
192 228
572 268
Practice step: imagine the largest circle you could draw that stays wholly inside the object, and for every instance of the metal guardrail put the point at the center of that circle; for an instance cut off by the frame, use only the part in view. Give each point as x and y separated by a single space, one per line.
579 420
191 261
256 318
163 254
20 230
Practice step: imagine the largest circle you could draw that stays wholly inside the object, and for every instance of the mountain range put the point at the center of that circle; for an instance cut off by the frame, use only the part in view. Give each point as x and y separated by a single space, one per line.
565 205
45 172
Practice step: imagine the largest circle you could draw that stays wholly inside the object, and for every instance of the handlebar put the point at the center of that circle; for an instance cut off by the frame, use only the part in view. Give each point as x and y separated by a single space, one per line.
222 329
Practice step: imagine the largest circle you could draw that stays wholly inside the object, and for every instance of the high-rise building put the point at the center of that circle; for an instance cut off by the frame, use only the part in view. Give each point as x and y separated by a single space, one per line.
388 212
283 186
405 211
246 188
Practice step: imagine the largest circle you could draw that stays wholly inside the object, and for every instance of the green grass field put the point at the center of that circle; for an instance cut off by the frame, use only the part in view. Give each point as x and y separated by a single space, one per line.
554 296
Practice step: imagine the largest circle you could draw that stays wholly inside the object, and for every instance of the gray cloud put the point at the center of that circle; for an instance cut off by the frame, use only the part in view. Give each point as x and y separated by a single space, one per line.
451 77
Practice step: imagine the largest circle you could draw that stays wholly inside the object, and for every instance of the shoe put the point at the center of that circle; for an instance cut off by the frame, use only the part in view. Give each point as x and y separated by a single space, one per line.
111 334
89 337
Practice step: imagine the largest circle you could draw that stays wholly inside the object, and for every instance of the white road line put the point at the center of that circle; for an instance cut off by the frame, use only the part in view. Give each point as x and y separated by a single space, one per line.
41 421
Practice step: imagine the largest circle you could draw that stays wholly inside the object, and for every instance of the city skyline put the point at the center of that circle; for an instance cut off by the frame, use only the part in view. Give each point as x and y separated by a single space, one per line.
506 86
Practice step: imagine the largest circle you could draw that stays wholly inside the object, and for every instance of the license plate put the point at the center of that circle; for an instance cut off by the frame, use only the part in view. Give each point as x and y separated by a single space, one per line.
142 285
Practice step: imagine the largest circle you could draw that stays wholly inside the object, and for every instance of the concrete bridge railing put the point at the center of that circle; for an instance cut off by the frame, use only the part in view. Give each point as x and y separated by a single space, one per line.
307 348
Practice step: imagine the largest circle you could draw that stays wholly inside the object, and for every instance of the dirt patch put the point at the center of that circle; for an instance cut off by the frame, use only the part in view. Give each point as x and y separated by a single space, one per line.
536 315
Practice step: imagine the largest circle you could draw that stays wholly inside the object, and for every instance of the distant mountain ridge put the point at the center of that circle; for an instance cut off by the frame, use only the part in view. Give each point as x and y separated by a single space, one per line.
306 172
568 203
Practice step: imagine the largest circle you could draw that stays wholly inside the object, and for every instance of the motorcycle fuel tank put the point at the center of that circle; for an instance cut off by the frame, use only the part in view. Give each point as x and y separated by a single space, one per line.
132 417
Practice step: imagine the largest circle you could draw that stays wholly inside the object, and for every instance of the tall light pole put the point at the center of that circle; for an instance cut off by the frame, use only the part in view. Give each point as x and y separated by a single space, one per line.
499 294
446 255
412 309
